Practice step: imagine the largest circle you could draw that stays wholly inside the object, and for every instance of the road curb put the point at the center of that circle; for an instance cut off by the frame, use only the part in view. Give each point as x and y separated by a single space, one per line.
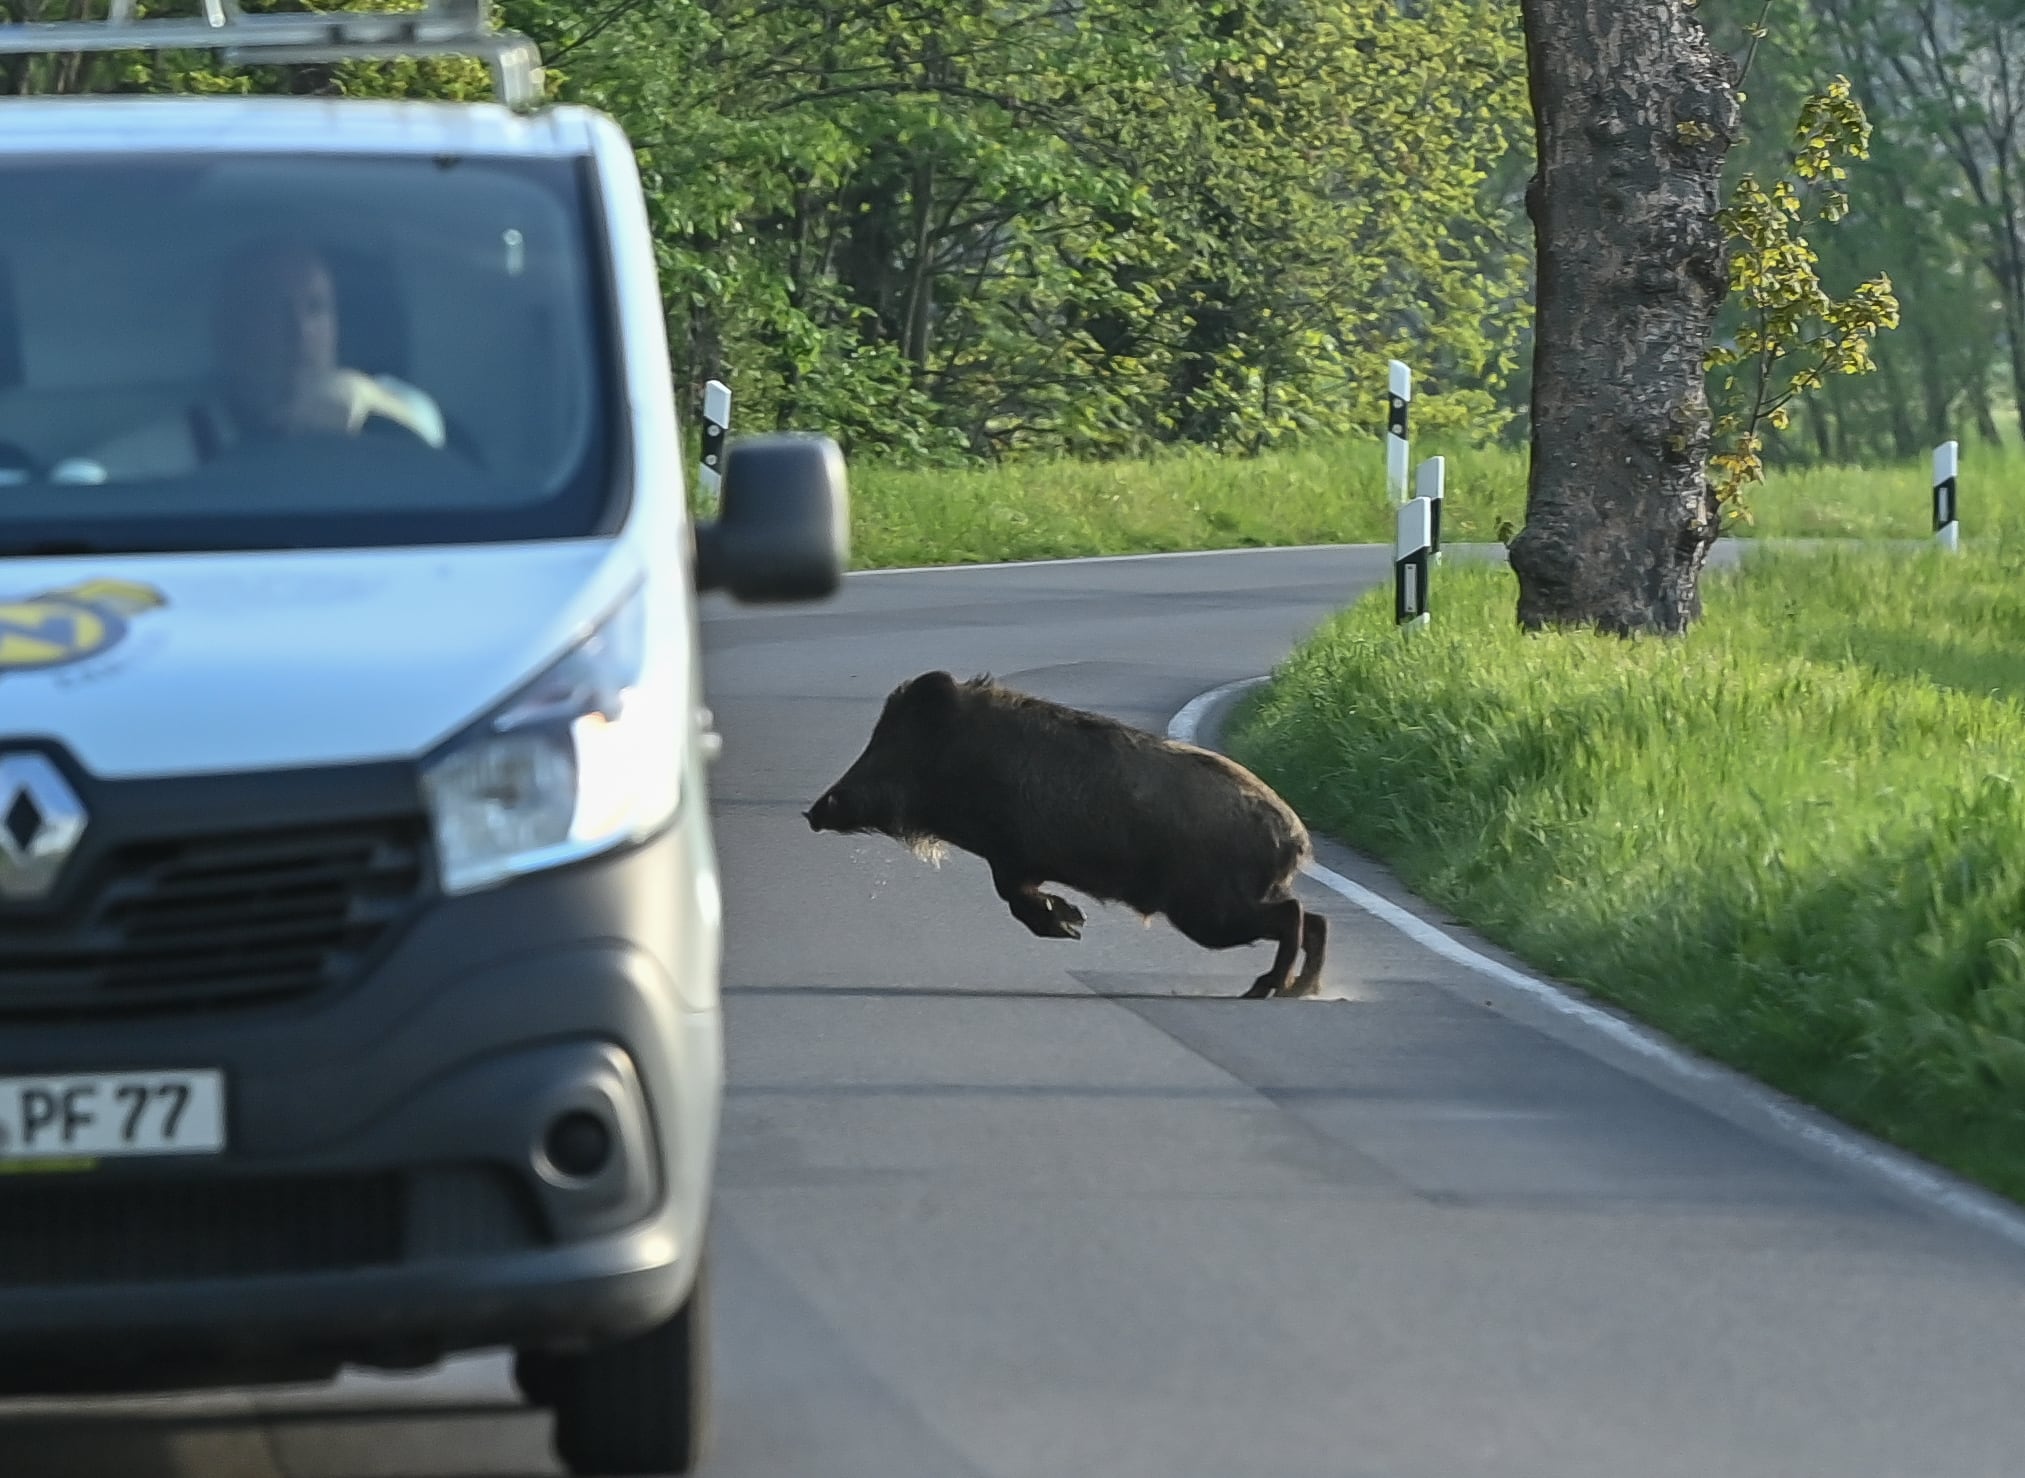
1605 1032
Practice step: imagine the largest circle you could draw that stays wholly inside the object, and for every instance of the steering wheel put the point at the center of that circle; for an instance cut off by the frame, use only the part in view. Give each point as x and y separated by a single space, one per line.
456 438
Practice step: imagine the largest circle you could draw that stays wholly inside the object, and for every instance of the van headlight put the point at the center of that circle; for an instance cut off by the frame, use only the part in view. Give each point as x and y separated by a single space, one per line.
583 759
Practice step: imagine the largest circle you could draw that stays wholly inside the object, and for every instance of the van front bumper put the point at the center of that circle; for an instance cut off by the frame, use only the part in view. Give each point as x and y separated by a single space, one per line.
502 1132
246 1331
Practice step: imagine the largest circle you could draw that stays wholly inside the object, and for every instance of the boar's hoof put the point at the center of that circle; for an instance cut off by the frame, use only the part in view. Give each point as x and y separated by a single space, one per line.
1064 920
1261 988
1046 915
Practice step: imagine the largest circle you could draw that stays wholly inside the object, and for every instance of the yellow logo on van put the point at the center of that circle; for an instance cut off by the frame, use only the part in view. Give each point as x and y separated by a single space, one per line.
59 627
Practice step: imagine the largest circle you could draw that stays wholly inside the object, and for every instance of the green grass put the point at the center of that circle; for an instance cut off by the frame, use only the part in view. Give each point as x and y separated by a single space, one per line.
1793 839
1330 492
1890 502
1333 491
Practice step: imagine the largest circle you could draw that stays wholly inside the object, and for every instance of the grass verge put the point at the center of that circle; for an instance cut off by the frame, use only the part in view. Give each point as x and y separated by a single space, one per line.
1325 493
1890 502
1794 839
1334 491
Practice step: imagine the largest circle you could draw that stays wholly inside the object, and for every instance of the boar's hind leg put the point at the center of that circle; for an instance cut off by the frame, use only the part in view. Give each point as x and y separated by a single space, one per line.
1285 918
1315 941
1043 913
1278 919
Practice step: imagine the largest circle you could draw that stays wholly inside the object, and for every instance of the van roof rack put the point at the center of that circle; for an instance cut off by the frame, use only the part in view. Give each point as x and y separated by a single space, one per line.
440 28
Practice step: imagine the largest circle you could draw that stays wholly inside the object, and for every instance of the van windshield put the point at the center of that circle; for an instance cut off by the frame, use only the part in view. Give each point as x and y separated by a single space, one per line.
267 351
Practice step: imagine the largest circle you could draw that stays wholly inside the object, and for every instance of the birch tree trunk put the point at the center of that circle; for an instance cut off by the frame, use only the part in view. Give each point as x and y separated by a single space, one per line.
1634 113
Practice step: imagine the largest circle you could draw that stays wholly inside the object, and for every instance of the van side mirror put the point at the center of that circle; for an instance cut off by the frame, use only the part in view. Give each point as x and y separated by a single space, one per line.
783 528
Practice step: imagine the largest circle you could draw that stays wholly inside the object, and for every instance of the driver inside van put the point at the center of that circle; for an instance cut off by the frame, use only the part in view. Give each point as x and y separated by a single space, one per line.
275 336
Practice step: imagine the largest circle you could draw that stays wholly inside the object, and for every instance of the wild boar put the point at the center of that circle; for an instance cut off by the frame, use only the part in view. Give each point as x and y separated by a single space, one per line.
1044 793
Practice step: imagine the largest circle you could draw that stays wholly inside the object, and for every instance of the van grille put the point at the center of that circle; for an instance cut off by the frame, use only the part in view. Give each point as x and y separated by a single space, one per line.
54 1233
199 923
61 1231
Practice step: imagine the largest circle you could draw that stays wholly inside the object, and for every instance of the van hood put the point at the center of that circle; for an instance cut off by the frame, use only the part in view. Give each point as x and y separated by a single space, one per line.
186 664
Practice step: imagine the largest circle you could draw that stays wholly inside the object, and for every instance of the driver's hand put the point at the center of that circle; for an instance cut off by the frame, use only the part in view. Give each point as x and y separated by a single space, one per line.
343 400
330 403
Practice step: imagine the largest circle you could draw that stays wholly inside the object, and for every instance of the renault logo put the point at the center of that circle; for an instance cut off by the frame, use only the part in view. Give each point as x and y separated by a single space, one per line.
41 820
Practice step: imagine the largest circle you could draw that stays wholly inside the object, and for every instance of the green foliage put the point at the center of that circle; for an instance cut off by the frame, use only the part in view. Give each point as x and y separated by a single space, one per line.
1096 228
1740 835
944 232
1328 210
1794 334
1947 107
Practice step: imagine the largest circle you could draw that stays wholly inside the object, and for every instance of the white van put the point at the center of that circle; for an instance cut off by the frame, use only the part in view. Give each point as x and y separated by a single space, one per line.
359 916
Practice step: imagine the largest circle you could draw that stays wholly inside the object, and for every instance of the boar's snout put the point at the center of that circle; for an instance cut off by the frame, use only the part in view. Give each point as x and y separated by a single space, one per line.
824 814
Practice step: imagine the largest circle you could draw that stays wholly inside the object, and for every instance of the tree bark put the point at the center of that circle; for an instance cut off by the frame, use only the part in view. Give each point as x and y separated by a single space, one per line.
1979 403
1823 430
1905 441
1634 112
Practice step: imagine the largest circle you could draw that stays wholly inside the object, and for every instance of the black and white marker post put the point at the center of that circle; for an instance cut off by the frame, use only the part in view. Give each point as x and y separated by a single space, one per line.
1398 401
1433 476
716 426
1410 558
1947 458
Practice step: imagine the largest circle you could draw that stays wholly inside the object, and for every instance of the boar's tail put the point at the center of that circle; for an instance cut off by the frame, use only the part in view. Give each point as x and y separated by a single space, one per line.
1295 851
1296 847
1271 871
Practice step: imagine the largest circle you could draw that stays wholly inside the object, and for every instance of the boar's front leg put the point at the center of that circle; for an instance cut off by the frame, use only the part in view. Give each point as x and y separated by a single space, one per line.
1043 913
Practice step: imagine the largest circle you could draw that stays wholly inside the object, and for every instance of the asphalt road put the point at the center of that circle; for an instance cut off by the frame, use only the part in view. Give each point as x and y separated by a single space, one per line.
998 1207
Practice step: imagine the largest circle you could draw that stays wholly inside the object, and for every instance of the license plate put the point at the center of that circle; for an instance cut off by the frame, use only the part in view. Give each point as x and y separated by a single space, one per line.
95 1115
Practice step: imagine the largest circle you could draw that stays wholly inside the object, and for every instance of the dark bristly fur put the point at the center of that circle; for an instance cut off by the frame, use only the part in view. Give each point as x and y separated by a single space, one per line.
1050 794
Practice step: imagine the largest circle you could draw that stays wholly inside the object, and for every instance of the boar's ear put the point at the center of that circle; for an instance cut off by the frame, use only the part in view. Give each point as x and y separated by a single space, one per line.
932 692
